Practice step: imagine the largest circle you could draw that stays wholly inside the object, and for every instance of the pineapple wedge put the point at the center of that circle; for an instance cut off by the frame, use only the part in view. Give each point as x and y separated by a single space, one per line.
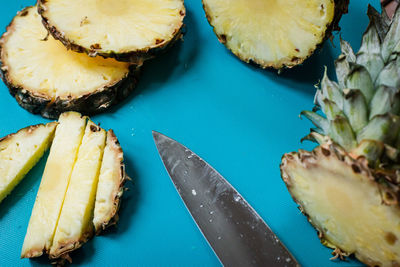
111 184
20 151
53 187
46 78
75 224
128 30
274 33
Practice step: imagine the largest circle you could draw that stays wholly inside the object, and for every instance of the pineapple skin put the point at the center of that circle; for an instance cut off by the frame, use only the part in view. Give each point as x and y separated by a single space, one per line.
134 57
35 157
108 198
341 7
299 168
50 108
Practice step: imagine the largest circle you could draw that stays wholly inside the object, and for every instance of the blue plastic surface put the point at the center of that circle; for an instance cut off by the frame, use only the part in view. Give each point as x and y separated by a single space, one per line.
239 118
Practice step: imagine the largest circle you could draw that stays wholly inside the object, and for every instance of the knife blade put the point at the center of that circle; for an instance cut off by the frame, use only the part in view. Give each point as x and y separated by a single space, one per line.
233 229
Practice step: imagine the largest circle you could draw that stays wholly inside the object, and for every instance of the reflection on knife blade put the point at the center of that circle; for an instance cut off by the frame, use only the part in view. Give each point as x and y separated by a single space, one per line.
234 230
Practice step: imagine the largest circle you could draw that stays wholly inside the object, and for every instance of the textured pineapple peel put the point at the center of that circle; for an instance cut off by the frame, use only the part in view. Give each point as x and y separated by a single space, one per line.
273 33
110 27
344 202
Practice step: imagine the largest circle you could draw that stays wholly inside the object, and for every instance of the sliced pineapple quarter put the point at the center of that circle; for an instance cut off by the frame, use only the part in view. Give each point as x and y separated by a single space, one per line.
20 151
111 184
53 187
46 78
274 33
128 30
352 209
75 225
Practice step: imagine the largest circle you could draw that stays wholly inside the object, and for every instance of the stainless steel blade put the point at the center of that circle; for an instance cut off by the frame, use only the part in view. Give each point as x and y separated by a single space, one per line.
236 233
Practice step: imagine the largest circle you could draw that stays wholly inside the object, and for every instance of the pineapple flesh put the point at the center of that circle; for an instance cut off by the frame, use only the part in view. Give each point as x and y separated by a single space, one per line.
20 151
110 187
349 185
274 33
75 225
46 78
129 30
53 187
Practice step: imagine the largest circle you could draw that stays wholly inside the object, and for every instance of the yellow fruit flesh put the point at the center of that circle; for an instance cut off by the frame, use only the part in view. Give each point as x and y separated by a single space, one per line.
271 32
119 26
48 68
348 208
109 186
20 152
53 187
75 222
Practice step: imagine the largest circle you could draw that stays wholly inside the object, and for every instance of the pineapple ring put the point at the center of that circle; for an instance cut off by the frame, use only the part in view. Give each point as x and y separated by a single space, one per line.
48 79
273 33
128 30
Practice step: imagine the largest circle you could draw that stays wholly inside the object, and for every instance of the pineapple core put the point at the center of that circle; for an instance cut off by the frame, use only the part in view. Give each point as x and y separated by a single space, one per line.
346 207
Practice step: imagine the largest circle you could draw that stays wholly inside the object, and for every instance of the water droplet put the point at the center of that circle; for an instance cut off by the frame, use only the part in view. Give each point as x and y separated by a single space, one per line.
236 198
201 205
288 259
211 212
210 220
219 238
194 192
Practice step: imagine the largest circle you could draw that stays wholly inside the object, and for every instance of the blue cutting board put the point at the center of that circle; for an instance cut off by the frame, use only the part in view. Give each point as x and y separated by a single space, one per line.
239 118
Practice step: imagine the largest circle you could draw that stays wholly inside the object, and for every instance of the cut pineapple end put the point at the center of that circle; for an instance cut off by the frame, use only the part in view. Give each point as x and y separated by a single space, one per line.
109 26
46 69
21 151
271 33
53 187
110 186
345 204
75 223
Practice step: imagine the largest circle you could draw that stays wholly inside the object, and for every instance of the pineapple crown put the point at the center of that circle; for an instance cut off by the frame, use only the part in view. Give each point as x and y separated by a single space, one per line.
362 109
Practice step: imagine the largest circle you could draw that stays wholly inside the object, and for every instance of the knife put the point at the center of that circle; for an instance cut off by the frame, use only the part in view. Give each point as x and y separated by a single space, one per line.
234 230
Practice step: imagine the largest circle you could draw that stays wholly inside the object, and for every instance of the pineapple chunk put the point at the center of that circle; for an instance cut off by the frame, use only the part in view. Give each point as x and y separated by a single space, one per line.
75 224
110 187
345 203
46 78
20 151
273 33
53 187
112 28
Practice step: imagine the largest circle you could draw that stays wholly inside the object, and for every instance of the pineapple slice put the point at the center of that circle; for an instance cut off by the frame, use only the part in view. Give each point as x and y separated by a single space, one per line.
75 224
53 187
46 78
353 210
20 151
111 184
274 33
128 30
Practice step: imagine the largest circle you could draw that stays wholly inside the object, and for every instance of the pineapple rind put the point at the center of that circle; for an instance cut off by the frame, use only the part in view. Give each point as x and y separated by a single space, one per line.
75 224
54 184
111 184
46 78
93 27
273 33
345 203
20 151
